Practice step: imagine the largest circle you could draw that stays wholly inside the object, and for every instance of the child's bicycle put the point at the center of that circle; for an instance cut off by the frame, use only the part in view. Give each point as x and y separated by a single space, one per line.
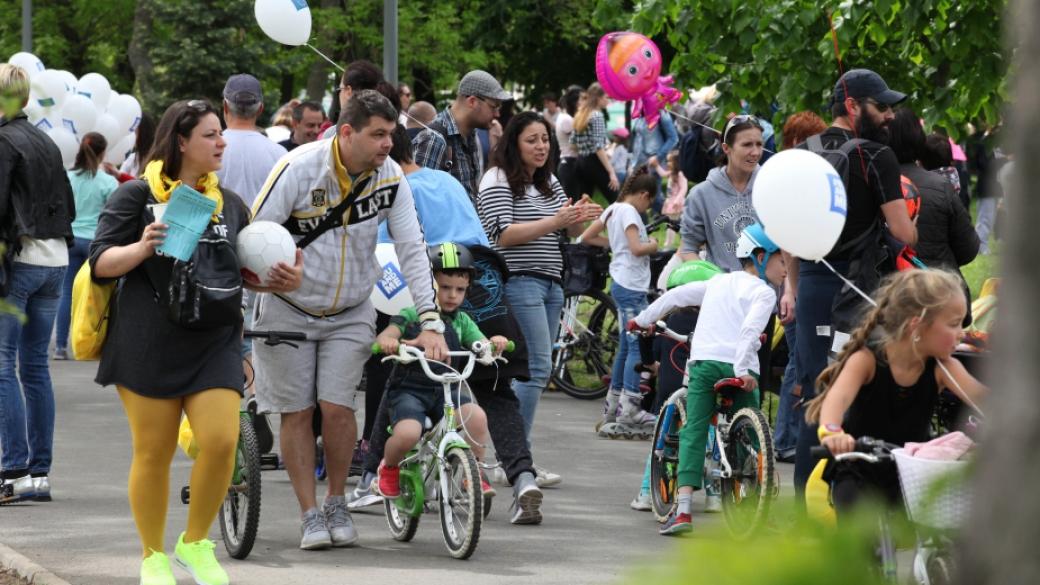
935 513
739 456
441 468
239 516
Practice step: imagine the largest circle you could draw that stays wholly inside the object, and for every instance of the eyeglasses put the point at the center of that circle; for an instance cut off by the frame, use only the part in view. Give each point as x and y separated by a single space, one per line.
495 106
880 107
738 120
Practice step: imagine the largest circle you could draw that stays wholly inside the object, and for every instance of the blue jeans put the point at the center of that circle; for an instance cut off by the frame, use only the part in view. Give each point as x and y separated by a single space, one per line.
78 254
629 304
787 414
27 409
537 304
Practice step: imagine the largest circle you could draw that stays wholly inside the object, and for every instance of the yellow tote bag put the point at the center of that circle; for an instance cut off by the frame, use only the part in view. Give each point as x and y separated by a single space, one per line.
186 439
90 308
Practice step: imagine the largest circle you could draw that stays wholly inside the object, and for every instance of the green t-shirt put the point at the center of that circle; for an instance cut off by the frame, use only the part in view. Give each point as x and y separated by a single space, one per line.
465 328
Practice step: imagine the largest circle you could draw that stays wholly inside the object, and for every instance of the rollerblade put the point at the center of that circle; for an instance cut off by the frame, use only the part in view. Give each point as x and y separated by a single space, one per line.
611 408
632 423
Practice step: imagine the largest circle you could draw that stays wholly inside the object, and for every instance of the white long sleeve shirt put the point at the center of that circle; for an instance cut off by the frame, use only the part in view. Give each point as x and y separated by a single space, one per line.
735 309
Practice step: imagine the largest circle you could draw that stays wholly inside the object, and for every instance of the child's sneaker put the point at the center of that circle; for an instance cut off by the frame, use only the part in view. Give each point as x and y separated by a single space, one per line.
676 524
155 570
642 502
198 559
486 488
712 496
611 407
389 481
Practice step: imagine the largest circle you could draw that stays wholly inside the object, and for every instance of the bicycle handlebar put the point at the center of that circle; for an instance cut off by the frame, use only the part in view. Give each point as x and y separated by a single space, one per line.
660 328
276 337
663 220
867 449
480 352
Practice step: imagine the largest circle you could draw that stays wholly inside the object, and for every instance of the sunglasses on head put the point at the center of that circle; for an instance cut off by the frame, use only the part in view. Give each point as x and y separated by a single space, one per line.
199 106
738 120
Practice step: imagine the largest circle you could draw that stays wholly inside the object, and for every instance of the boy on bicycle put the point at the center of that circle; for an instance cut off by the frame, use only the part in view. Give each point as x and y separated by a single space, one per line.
411 396
735 308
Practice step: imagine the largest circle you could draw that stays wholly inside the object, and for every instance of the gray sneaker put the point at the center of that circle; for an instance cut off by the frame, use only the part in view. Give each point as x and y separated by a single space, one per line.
339 522
527 500
363 494
314 534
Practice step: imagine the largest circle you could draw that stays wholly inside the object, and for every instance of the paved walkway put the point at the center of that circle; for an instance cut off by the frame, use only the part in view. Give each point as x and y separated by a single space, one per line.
87 536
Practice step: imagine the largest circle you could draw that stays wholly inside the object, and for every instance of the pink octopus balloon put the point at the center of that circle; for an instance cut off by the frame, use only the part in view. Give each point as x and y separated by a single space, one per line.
628 66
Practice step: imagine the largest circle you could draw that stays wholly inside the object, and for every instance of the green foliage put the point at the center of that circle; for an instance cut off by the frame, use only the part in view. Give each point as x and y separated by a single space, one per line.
947 55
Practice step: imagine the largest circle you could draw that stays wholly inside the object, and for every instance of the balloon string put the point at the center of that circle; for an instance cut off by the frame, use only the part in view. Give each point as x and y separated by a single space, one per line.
949 376
323 56
705 126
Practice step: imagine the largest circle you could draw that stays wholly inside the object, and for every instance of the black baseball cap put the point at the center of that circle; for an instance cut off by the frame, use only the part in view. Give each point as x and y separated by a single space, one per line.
864 83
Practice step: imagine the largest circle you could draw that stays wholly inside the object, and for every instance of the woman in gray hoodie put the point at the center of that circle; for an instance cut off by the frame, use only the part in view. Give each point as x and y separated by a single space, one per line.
719 208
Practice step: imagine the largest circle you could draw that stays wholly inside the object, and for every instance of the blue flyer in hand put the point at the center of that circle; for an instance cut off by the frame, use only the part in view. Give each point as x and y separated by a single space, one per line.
187 215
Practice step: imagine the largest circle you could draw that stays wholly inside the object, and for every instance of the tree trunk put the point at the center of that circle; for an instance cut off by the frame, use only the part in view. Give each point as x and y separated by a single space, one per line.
1000 539
318 77
139 58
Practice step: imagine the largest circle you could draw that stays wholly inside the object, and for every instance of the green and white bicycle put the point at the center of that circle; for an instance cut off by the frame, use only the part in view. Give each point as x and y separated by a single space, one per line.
441 470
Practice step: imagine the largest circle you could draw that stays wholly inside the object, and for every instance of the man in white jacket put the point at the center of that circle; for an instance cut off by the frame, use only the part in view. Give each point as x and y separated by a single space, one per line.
332 195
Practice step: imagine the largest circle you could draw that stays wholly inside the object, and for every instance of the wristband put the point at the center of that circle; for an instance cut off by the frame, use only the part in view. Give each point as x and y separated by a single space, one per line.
429 316
824 431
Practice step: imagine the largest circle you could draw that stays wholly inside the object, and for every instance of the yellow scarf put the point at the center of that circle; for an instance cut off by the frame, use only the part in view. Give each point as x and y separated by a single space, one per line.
162 186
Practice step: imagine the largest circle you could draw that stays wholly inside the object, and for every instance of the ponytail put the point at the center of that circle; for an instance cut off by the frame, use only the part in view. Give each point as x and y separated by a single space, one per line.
91 154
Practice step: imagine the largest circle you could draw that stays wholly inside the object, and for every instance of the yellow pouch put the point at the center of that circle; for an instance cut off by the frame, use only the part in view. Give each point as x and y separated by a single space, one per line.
817 497
90 308
186 439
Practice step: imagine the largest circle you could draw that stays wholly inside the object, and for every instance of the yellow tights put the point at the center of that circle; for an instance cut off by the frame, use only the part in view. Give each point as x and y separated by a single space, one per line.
154 422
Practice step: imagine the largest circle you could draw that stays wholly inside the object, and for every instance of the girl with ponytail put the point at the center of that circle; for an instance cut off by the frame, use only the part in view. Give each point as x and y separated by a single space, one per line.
888 377
91 190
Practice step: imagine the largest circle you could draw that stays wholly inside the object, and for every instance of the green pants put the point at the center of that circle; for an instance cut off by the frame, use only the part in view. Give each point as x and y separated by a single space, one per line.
700 406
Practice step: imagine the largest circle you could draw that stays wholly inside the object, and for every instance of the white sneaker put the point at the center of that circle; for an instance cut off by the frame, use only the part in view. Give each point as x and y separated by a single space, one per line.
642 502
42 489
713 497
546 478
497 475
363 494
16 490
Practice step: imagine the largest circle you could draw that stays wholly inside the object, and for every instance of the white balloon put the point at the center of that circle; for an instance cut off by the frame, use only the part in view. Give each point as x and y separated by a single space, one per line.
69 79
47 119
31 63
49 89
97 88
801 201
67 144
108 127
79 115
286 21
390 294
120 149
125 109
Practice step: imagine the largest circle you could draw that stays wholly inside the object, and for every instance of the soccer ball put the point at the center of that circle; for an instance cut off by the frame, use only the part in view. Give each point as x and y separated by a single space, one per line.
262 245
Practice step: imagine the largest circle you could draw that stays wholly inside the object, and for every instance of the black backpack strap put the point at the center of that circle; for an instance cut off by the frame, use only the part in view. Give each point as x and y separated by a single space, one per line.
335 216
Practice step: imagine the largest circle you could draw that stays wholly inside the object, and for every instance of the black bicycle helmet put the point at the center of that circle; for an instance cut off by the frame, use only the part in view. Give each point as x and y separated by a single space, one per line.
451 256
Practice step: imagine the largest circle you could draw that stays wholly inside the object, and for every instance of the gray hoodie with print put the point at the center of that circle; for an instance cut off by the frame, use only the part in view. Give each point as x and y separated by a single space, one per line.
713 217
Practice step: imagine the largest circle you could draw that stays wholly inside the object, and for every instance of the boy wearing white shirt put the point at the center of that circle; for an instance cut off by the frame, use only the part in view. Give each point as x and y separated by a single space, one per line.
735 308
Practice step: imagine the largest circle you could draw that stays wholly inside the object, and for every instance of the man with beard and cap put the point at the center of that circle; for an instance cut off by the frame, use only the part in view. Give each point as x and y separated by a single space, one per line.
862 109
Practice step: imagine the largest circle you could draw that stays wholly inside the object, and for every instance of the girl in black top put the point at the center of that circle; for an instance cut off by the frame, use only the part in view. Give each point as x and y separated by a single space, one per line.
887 378
160 368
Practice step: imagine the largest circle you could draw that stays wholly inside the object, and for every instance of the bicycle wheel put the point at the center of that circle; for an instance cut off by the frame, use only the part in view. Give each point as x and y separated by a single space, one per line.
748 492
461 508
402 513
664 455
588 343
240 513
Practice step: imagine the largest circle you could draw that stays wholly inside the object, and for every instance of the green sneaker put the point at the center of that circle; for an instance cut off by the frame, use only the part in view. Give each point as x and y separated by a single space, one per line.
198 559
155 570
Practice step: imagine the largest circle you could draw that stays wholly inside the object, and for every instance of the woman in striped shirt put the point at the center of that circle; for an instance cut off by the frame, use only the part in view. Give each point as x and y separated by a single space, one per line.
523 208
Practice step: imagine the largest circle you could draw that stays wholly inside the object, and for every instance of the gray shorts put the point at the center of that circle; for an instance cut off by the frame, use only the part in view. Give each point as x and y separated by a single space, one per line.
328 366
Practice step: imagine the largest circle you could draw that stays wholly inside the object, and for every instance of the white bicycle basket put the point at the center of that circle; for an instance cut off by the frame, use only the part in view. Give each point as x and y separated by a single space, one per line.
935 492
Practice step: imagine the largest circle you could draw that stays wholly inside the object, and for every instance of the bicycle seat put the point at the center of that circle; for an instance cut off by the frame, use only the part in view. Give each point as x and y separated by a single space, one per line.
729 384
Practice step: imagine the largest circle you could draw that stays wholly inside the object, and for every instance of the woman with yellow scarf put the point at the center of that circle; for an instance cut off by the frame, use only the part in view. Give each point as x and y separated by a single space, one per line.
162 369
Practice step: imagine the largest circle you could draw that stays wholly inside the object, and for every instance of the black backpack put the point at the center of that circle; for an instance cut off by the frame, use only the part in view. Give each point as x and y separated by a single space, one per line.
698 151
868 252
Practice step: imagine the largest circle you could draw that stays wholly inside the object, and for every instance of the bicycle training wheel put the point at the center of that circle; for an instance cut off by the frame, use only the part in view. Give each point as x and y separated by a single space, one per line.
461 508
588 342
747 494
664 455
240 513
